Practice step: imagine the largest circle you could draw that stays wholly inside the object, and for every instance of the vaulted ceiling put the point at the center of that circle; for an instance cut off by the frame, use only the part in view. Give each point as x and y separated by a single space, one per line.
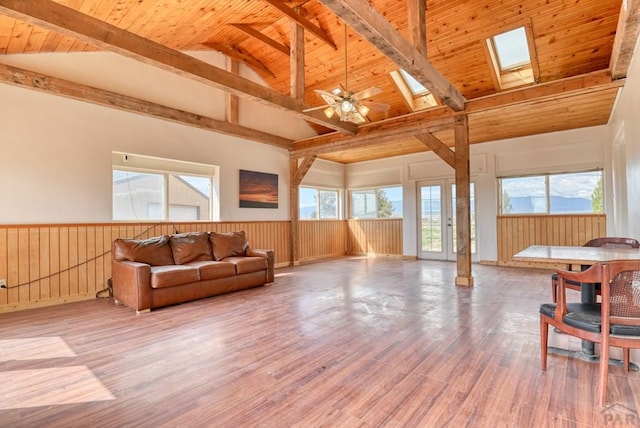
580 53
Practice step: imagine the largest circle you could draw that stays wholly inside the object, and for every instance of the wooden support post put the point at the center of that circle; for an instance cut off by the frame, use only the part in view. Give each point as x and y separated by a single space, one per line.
463 202
294 197
297 171
232 100
296 59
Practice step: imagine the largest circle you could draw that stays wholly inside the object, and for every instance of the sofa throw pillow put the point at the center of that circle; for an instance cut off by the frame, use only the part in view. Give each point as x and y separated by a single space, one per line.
153 251
228 244
190 247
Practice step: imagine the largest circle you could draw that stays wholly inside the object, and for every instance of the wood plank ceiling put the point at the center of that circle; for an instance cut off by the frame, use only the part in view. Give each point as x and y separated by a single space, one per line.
576 44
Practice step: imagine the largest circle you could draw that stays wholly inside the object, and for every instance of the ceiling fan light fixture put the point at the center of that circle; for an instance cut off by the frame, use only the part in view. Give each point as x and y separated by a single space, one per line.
346 105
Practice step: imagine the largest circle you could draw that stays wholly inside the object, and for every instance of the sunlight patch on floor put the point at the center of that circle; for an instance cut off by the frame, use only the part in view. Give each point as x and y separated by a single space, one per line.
34 348
50 387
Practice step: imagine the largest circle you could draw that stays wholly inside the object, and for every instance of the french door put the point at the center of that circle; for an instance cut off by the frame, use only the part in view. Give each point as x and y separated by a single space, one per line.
437 220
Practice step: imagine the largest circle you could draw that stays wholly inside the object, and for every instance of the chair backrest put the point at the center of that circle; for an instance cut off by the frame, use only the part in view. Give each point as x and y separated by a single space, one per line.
623 293
613 242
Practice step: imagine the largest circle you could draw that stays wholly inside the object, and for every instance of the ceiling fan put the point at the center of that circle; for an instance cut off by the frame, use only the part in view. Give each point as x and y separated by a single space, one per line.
349 106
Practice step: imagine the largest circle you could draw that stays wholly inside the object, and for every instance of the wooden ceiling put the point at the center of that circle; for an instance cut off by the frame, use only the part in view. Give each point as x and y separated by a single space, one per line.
581 48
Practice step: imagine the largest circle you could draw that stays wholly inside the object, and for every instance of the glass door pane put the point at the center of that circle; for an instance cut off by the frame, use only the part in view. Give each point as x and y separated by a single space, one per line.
431 231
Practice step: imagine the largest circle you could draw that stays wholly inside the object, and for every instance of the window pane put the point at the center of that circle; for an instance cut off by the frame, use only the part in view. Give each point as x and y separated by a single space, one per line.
389 202
189 197
524 195
137 196
363 204
416 87
512 48
328 204
308 203
576 193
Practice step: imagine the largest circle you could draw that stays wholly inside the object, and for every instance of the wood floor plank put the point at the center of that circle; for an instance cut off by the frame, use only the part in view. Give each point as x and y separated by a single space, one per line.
351 342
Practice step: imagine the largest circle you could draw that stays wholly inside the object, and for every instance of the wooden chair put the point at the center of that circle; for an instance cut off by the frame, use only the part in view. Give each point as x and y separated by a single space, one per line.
614 322
607 241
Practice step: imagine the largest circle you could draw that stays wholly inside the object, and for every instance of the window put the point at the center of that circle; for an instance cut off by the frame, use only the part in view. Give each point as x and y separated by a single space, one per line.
511 59
413 92
382 202
570 193
143 191
318 204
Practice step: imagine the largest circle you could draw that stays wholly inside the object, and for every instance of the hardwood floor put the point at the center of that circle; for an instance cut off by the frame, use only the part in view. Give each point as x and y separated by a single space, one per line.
353 342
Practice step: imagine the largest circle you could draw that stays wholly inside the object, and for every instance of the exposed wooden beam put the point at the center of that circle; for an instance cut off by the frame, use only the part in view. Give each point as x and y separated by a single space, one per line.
233 105
463 202
585 83
69 22
376 132
52 85
296 60
248 29
237 54
374 27
302 170
625 40
402 126
416 10
438 147
304 22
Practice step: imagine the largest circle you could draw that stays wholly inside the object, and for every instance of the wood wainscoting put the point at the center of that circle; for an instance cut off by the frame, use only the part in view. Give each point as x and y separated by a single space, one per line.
51 264
517 232
321 239
376 236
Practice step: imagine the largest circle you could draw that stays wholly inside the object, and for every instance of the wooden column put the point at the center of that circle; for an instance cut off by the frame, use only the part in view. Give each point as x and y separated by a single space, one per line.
463 202
232 100
294 212
416 10
297 172
296 60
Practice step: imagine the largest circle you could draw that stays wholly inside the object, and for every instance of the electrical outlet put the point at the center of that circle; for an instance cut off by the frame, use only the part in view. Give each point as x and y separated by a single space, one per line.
3 283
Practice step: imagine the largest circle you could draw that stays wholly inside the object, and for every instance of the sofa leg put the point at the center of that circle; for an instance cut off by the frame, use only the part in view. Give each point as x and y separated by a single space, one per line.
143 311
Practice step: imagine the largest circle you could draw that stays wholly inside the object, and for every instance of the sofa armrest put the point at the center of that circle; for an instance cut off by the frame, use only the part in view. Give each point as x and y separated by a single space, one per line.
132 284
267 254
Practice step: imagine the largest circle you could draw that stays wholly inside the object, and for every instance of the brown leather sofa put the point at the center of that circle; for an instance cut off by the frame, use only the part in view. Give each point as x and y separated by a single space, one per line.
165 270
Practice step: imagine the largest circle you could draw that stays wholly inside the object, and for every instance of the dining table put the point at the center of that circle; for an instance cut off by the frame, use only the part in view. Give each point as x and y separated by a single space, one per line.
583 256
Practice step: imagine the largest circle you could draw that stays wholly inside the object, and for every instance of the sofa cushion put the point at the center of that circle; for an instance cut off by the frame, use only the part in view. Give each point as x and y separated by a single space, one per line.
228 244
190 247
214 270
247 264
168 276
153 251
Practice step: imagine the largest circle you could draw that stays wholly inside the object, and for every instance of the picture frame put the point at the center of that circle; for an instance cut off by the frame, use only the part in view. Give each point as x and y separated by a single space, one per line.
258 189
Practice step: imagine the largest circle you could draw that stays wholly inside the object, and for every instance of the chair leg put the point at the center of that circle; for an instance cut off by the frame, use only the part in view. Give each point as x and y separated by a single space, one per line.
626 358
603 373
544 339
554 290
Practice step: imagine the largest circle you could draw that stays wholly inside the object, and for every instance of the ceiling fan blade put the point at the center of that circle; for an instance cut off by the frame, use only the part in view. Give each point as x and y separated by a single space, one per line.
376 106
367 93
330 95
313 108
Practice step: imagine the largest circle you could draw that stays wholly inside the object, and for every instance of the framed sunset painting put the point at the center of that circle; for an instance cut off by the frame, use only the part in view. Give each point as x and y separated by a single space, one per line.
258 190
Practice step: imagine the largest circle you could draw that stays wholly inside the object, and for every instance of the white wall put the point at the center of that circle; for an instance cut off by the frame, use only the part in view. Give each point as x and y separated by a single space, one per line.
56 152
625 149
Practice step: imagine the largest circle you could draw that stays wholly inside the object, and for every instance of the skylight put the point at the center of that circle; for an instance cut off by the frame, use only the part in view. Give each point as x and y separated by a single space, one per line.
512 49
413 92
512 56
416 87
